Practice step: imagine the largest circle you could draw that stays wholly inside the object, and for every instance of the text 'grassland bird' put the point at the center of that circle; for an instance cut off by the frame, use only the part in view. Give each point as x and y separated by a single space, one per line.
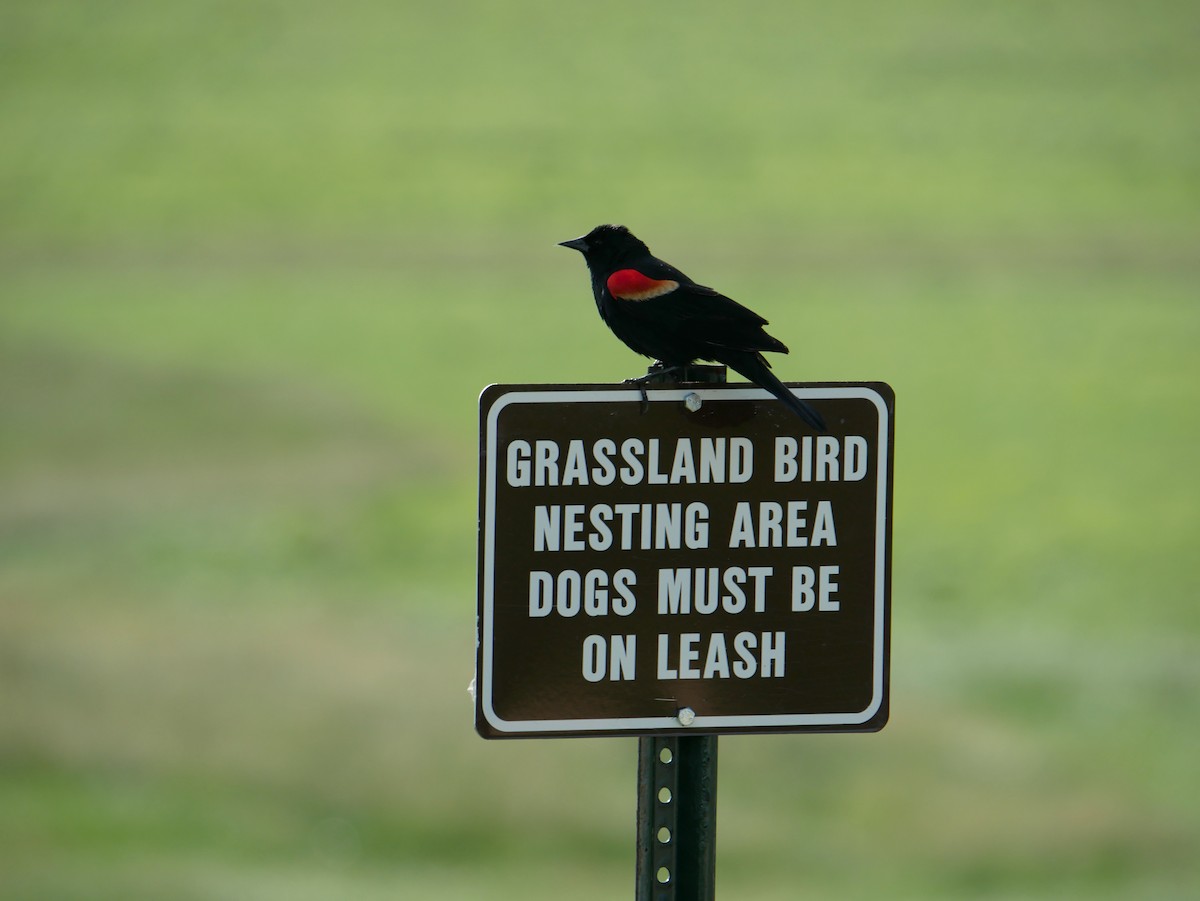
661 313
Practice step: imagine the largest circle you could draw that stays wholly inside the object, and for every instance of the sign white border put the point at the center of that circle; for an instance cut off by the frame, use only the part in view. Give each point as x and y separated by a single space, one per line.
701 723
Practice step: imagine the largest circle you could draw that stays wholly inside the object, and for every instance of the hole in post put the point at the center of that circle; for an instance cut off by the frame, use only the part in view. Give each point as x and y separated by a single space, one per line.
664 795
664 835
665 755
663 875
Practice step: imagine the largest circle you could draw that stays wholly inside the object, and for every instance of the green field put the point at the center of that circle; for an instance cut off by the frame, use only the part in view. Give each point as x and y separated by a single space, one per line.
258 260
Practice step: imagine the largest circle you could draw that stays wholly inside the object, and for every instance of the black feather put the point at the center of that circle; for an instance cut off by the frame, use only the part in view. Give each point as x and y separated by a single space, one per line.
754 367
691 322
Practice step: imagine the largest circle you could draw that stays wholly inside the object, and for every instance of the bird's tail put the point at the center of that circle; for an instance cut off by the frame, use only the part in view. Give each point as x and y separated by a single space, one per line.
751 365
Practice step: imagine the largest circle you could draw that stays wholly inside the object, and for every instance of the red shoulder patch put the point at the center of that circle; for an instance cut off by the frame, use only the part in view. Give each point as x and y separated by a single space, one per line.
629 284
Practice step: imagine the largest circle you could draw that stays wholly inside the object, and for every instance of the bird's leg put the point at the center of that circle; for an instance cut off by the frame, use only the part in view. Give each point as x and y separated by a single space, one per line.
641 386
660 372
656 372
667 373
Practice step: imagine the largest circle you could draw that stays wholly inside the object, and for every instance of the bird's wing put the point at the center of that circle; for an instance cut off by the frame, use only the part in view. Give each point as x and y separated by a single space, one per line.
708 316
634 286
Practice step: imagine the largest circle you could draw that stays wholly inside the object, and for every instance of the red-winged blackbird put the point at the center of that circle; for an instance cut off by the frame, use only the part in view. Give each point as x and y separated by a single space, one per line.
661 313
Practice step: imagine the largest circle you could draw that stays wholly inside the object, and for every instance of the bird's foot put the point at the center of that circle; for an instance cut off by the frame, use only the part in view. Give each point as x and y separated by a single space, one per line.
641 386
661 372
658 372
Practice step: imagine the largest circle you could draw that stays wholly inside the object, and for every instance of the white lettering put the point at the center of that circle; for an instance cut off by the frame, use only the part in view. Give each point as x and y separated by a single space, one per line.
656 476
786 468
741 460
735 601
605 471
541 594
770 524
716 663
594 658
814 589
712 460
827 459
518 463
683 469
601 537
744 644
855 469
666 534
756 655
778 525
631 451
772 654
575 469
569 600
674 591
546 463
823 531
665 671
546 527
623 662
796 524
742 533
707 585
624 603
827 589
760 574
571 593
688 655
573 528
697 525
615 658
595 593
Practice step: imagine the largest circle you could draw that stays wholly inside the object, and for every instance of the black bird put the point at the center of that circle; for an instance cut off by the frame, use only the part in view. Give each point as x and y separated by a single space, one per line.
661 313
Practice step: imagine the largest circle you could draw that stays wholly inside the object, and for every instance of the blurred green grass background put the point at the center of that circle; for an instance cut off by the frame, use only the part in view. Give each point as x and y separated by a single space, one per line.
257 262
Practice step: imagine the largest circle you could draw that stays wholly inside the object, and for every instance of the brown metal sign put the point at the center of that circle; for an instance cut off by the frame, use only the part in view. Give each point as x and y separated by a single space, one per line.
701 562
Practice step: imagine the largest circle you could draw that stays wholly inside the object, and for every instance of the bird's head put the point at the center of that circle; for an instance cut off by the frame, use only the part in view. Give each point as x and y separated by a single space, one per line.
605 245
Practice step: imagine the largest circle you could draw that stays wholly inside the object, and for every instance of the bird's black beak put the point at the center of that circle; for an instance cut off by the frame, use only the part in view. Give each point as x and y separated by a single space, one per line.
579 244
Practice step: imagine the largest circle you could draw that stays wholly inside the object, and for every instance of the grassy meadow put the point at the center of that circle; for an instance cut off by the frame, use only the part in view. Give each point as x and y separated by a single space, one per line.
258 260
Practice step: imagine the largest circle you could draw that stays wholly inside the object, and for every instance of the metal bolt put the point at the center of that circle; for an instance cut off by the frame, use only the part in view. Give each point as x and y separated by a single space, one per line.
686 716
693 401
